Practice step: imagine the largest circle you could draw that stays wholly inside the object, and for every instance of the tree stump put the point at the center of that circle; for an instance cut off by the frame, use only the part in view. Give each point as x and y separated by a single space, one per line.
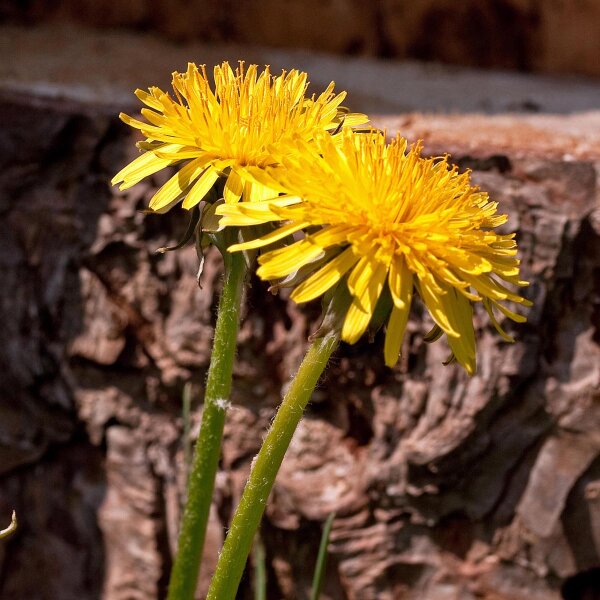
444 486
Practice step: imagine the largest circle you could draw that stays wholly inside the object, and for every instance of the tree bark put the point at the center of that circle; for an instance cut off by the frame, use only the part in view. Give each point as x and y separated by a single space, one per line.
444 486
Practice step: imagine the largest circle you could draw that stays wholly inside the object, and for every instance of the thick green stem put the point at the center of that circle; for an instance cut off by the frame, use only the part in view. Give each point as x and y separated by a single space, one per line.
184 575
249 512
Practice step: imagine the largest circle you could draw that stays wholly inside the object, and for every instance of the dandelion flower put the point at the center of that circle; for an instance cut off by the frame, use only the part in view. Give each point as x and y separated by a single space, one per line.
248 121
381 221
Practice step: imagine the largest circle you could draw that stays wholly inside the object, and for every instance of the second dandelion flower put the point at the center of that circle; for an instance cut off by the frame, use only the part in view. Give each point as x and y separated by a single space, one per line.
380 222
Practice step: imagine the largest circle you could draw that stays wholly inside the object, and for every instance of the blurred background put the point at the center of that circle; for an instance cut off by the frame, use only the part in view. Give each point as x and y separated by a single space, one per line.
544 36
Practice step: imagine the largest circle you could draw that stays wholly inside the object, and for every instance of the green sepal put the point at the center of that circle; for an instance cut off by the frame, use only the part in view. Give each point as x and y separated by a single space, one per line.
450 360
336 302
433 335
202 242
195 216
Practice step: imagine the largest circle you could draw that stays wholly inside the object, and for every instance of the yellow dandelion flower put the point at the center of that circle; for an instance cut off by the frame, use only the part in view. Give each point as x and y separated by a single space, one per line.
247 121
384 221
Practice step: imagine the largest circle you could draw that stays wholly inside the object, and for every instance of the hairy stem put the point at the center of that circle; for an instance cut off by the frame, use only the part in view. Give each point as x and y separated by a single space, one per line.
249 512
184 576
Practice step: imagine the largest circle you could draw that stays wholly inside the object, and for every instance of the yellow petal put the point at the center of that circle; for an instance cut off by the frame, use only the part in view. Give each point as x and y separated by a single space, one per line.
279 263
400 280
167 207
259 193
330 236
433 301
263 212
255 213
271 237
488 306
148 99
139 124
155 118
237 219
201 188
513 316
267 177
222 164
234 187
177 185
352 119
319 282
487 286
395 331
144 165
366 282
180 152
460 315
355 323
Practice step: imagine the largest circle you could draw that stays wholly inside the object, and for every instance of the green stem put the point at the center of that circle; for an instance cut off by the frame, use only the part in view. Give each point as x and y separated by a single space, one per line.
184 575
321 563
249 512
260 570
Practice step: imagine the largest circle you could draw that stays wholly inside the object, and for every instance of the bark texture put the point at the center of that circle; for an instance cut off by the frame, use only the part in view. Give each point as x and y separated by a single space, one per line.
445 487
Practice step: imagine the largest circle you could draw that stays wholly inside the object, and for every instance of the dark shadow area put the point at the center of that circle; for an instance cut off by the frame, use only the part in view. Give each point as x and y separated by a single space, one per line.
583 586
57 551
580 515
52 193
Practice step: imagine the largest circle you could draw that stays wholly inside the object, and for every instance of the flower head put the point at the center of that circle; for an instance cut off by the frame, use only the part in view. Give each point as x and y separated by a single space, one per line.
381 221
249 120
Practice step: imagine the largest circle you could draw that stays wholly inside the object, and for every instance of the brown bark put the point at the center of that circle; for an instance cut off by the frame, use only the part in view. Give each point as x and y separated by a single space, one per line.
444 486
